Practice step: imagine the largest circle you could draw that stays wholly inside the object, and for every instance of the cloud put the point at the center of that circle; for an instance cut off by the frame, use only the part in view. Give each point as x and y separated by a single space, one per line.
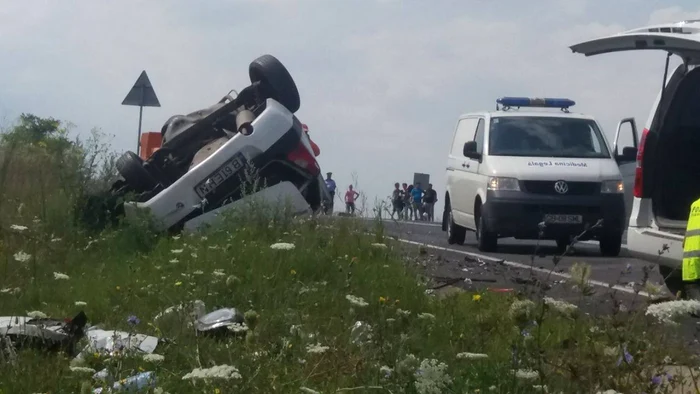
672 15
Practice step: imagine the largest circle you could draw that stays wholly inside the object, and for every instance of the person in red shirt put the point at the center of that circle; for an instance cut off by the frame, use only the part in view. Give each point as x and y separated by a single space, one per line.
350 197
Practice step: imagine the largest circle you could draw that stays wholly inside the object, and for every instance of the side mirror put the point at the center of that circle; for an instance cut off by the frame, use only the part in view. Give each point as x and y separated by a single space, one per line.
470 150
629 154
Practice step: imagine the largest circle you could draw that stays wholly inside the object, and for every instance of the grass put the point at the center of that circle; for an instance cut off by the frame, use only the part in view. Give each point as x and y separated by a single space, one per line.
308 298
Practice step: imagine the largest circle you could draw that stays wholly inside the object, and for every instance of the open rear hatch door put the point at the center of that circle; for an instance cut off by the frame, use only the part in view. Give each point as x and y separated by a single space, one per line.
681 38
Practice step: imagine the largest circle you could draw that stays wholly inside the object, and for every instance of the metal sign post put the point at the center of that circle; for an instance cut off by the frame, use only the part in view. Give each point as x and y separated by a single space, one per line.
141 95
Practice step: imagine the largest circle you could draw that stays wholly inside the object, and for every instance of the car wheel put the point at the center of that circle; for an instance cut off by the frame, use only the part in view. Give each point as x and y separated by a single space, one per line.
276 80
456 234
130 166
610 245
672 279
486 240
562 244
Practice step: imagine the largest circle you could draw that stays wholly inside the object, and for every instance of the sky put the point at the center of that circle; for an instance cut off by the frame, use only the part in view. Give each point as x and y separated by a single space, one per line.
382 82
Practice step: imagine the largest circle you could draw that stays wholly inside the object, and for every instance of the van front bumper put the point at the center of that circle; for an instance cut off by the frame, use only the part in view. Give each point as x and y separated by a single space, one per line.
519 214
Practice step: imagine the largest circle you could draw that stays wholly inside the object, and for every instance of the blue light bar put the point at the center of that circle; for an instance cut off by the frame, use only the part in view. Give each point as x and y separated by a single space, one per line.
536 102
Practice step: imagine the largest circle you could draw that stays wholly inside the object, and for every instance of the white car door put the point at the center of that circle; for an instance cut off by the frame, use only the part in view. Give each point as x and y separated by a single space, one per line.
626 157
457 178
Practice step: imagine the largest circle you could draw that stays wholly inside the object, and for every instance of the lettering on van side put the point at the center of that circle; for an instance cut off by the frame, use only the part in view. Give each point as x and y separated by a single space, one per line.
548 163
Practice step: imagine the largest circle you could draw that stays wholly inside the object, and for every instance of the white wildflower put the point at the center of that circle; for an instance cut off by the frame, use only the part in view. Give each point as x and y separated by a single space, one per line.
560 306
80 303
493 388
401 312
194 255
153 358
316 349
238 327
226 372
431 377
426 316
219 272
521 309
82 370
611 351
379 245
177 251
282 246
308 390
668 360
37 315
539 387
594 330
18 228
526 374
198 272
472 356
60 276
390 320
10 290
22 257
176 237
667 312
55 239
357 301
386 371
174 261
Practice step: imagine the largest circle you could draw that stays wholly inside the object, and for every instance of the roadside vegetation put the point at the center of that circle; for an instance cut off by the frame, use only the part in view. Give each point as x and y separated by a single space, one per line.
327 307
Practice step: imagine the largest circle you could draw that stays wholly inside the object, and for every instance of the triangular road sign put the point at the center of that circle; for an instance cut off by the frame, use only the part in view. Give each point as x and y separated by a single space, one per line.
142 94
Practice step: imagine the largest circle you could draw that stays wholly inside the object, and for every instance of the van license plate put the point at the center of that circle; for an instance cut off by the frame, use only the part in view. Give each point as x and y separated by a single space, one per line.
563 219
216 178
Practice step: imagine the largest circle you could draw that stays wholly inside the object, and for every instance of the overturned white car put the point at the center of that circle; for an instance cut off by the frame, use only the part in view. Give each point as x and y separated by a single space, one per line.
207 157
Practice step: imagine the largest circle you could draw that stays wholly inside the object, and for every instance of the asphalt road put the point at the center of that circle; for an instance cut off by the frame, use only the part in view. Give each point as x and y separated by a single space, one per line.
523 266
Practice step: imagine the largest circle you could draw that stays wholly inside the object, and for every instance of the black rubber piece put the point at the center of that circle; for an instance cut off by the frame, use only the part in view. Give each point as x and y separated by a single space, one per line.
276 80
130 166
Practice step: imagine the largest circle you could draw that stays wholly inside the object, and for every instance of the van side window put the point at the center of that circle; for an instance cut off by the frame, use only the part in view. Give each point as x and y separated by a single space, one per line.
479 137
466 129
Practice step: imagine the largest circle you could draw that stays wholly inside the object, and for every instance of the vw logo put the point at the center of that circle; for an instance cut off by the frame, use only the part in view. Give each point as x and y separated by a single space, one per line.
561 187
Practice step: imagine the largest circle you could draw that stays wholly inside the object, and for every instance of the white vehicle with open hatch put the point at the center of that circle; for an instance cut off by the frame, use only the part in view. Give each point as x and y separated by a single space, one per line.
667 173
511 170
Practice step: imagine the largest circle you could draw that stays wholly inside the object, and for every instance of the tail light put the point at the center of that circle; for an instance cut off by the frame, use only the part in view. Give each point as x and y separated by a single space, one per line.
639 171
304 159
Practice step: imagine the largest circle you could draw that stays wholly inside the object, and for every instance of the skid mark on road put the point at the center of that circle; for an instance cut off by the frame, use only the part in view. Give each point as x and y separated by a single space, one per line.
522 266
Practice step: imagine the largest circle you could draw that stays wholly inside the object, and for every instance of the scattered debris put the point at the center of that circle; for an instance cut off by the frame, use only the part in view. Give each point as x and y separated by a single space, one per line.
220 320
44 333
134 383
109 342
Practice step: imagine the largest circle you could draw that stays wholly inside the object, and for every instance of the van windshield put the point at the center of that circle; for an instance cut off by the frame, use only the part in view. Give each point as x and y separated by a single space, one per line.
546 137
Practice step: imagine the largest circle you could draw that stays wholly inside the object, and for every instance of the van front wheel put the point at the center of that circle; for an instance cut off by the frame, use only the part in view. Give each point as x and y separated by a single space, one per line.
456 234
611 245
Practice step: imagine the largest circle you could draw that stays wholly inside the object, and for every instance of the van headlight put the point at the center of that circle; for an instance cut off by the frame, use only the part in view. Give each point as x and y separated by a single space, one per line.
612 187
501 183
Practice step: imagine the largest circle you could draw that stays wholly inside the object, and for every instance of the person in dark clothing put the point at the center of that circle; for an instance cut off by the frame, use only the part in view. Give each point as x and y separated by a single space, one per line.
407 202
397 201
429 200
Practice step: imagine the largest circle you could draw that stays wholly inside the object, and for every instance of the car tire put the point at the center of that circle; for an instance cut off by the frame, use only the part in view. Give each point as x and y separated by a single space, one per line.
486 240
130 166
456 234
562 244
610 245
276 80
673 280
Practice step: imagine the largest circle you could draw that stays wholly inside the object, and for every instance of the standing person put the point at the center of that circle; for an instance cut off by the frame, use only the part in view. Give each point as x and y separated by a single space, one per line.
429 200
690 269
417 194
330 185
397 201
350 197
407 202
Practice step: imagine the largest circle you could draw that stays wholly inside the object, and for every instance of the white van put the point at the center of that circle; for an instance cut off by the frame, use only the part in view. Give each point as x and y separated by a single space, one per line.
510 171
667 179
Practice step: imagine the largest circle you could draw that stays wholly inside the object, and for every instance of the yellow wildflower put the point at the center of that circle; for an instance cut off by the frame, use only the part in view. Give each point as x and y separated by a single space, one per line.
178 283
476 297
292 272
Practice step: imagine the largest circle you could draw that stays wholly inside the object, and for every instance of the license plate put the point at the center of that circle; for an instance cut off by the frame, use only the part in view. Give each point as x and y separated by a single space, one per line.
563 219
216 178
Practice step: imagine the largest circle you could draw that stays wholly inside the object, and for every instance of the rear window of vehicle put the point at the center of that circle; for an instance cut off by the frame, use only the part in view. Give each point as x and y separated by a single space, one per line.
534 136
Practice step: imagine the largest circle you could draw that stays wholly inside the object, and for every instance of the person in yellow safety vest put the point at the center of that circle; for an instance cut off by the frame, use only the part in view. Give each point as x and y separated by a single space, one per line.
691 253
